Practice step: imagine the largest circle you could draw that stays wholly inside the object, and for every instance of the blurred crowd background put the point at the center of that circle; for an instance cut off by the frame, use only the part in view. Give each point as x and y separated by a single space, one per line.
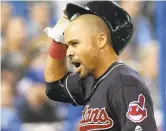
24 105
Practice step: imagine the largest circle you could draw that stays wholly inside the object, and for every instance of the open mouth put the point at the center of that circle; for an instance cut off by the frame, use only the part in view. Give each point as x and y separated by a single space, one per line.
76 64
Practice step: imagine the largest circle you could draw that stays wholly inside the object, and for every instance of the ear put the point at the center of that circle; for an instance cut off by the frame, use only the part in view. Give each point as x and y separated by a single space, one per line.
101 40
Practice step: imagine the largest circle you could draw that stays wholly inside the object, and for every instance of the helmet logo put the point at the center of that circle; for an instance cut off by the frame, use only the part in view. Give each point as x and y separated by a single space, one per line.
87 8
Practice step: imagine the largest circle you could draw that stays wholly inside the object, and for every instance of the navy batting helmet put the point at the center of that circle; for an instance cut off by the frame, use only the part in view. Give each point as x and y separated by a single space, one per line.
116 18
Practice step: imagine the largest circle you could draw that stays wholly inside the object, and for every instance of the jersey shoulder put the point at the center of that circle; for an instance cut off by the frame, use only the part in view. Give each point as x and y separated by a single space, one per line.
129 76
126 76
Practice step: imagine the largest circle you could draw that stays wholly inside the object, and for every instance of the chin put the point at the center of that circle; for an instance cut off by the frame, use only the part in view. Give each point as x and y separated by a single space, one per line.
83 74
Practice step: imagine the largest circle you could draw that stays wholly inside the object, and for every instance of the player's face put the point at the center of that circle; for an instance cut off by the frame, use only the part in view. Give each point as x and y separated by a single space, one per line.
82 50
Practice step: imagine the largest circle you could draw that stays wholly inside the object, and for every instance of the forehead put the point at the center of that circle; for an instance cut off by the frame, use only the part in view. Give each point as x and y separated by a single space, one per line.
77 29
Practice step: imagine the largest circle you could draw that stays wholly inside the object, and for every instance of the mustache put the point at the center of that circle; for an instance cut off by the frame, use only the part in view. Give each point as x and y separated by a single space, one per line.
74 60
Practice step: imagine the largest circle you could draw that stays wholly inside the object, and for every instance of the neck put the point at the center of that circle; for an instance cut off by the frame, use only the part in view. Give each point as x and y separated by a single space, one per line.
107 58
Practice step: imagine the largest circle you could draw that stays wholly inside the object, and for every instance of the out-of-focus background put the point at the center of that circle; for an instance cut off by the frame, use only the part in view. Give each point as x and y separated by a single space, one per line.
24 105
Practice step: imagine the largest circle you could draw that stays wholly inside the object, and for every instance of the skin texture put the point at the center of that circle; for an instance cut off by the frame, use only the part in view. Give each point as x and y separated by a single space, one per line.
54 69
88 42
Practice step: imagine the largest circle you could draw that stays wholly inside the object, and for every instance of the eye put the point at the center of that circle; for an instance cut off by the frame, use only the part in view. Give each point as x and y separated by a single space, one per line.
74 43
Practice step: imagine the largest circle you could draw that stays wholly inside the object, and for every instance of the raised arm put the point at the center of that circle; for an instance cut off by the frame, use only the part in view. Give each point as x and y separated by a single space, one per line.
61 85
56 61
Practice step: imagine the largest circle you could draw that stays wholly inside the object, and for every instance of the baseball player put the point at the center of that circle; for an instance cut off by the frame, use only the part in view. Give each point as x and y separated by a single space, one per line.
113 95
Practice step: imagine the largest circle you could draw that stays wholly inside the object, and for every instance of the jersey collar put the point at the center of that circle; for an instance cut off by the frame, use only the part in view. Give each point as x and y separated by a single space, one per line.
98 80
109 68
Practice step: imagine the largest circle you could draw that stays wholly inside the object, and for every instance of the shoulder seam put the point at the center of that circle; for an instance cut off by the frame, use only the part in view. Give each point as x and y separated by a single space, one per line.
119 89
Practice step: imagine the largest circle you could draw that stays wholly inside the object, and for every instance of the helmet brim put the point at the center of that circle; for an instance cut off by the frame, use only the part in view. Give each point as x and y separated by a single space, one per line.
72 9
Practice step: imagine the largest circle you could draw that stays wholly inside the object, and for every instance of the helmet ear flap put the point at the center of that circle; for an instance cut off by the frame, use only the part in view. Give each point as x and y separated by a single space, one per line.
121 36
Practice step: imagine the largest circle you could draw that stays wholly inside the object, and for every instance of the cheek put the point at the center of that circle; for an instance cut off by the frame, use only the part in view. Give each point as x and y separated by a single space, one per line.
88 56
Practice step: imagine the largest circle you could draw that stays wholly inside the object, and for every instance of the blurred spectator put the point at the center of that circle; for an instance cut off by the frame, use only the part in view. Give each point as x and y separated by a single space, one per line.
33 104
14 54
35 107
126 57
6 10
142 28
39 44
8 76
20 8
10 120
39 18
34 74
149 63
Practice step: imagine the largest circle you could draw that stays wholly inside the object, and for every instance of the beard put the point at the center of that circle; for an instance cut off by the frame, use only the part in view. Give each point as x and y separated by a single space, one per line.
83 72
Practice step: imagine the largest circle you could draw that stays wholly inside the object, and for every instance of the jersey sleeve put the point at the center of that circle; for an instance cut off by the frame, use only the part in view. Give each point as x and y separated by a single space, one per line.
69 89
133 108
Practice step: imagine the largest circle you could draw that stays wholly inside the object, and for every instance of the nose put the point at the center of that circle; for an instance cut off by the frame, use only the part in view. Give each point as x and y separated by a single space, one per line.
70 53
